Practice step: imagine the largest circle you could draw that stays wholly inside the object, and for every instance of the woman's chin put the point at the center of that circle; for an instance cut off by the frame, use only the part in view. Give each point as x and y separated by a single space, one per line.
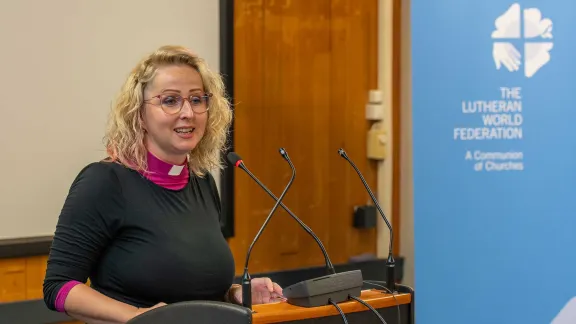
185 144
185 147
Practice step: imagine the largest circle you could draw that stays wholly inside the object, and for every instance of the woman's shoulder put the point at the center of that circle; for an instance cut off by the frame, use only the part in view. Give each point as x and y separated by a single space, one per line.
99 168
101 173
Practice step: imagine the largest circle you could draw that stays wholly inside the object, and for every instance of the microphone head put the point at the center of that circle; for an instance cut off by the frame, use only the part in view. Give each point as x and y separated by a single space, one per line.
342 153
284 153
234 159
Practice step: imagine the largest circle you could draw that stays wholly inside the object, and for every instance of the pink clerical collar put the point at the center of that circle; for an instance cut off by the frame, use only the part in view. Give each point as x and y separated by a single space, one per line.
170 176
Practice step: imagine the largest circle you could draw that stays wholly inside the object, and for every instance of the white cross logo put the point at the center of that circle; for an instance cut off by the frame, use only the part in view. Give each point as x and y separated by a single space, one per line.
509 38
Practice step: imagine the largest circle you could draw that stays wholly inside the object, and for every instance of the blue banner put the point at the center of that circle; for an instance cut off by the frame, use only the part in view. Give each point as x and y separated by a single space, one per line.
494 130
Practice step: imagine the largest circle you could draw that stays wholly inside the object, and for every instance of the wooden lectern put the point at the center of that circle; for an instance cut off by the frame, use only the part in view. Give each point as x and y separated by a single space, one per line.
389 307
394 309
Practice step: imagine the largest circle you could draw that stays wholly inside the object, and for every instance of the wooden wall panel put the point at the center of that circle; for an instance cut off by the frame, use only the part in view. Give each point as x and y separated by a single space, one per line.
35 272
302 74
248 16
354 73
22 278
12 280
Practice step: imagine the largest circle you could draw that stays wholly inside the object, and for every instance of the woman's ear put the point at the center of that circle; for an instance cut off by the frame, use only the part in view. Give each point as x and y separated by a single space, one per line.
142 119
143 125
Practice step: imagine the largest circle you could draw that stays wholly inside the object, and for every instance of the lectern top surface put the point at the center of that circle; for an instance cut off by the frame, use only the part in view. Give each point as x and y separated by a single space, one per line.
282 311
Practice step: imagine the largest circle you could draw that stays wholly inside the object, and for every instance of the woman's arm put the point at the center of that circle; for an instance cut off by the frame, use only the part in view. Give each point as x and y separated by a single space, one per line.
90 218
90 306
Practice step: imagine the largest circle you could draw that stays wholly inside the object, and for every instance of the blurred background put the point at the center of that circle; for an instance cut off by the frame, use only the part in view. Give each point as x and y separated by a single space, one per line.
302 75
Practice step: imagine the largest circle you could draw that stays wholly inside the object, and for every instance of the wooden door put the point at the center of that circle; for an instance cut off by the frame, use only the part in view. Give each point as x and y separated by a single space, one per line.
302 72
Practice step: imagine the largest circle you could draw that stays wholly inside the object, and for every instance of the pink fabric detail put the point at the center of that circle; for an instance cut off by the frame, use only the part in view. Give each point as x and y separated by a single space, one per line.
63 293
158 172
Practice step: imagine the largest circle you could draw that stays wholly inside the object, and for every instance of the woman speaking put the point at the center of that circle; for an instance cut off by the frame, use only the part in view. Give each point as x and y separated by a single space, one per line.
143 224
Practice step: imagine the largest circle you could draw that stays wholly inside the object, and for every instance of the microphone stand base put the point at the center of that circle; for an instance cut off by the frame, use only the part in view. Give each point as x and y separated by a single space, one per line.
318 291
246 290
390 274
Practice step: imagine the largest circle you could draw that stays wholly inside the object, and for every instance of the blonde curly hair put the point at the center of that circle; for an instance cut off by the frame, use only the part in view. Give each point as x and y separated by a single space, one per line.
124 137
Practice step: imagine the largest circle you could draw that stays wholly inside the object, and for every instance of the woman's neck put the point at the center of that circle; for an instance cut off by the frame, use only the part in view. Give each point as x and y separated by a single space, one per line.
167 175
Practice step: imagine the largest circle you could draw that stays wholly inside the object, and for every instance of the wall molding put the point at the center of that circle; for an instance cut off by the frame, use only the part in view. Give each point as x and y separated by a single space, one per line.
25 247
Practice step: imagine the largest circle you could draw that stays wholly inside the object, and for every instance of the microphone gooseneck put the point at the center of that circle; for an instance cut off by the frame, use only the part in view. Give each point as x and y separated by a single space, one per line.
317 291
236 160
278 202
390 262
246 280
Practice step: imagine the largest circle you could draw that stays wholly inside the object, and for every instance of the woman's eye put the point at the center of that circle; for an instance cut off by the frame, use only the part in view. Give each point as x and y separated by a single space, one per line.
170 101
196 100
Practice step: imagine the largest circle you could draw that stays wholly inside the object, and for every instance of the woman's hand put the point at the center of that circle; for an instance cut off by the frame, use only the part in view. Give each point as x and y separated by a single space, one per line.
264 291
141 311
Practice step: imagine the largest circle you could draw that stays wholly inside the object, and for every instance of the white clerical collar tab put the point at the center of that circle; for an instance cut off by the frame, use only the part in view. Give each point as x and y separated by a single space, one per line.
176 170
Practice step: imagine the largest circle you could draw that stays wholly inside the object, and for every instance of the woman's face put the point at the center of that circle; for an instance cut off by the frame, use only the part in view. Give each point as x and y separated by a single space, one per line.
171 133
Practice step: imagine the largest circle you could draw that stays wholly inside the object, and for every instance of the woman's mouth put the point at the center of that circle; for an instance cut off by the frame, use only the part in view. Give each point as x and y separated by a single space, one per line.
184 130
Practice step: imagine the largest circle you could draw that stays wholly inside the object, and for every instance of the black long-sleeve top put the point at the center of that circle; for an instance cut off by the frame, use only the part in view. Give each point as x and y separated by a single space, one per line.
138 242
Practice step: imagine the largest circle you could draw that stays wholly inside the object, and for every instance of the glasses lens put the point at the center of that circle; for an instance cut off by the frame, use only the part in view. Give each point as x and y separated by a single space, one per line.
199 103
171 104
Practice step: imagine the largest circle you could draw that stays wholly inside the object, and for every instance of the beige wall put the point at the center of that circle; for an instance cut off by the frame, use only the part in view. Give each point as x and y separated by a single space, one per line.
62 62
385 168
384 190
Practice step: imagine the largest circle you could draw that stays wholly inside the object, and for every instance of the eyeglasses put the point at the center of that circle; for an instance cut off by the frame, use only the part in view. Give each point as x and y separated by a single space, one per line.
172 103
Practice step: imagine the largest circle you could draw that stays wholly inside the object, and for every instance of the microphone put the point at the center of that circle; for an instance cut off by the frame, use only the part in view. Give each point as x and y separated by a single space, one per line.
334 287
237 161
390 262
246 280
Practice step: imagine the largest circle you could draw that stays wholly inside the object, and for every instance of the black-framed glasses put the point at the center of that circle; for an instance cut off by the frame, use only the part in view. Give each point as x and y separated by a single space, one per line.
173 103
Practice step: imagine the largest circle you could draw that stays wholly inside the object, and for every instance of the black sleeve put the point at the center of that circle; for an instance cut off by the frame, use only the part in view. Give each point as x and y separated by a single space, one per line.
91 215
